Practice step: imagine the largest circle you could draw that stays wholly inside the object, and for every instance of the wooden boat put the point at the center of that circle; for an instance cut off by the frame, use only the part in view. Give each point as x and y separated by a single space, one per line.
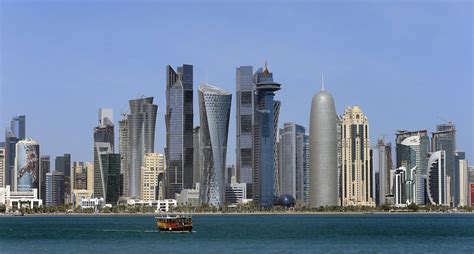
175 223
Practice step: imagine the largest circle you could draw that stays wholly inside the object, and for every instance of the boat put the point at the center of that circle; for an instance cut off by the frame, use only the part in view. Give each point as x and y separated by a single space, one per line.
18 213
175 223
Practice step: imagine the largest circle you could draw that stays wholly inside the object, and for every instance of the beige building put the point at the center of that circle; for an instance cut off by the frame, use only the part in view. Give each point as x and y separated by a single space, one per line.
154 166
356 175
2 167
463 183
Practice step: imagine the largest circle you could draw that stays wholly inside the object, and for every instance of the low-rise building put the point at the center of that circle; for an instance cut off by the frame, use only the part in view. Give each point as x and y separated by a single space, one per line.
15 200
235 193
188 196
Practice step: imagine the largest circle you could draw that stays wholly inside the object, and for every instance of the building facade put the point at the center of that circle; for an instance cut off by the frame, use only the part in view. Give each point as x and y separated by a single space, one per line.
384 165
294 167
463 178
26 165
245 90
55 188
197 158
436 184
2 167
179 129
413 148
45 167
356 167
141 137
323 151
444 138
16 132
214 109
154 167
266 112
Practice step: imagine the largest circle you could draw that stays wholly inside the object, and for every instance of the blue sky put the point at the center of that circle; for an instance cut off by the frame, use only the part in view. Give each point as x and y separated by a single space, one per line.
406 64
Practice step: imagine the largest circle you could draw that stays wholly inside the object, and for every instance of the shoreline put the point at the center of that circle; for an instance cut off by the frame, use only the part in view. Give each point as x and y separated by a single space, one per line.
233 214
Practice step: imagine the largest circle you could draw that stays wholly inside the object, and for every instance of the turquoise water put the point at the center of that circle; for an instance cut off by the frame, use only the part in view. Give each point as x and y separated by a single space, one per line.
392 233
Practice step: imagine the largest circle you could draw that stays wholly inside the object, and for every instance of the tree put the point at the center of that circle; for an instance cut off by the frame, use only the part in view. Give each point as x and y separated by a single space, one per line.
414 207
3 208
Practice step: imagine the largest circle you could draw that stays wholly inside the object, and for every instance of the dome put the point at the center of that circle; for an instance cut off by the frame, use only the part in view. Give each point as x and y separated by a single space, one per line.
356 109
285 200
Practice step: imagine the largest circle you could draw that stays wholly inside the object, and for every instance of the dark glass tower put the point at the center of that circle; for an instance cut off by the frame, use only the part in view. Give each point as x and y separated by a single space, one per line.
264 134
16 132
179 129
445 139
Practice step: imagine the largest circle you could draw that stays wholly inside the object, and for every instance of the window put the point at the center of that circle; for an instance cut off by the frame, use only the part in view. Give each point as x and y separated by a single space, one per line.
246 98
246 123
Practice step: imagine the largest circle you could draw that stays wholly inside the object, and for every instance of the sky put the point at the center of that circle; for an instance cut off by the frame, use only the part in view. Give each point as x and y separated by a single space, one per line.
407 64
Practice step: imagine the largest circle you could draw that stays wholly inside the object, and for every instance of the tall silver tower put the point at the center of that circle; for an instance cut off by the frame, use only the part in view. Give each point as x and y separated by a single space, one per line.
214 108
323 150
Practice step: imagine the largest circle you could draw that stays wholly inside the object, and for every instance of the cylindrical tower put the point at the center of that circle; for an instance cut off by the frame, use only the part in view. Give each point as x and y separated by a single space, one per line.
323 151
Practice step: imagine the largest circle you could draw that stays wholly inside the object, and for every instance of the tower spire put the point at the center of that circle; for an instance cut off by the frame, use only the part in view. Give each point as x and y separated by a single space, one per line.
322 81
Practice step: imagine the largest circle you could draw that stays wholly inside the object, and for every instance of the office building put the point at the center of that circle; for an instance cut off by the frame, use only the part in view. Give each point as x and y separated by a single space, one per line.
124 150
266 112
461 171
214 109
412 153
357 178
436 184
154 167
444 138
106 173
79 176
63 164
294 167
55 188
141 124
197 158
179 129
235 193
45 167
245 90
16 132
2 167
26 173
384 164
323 151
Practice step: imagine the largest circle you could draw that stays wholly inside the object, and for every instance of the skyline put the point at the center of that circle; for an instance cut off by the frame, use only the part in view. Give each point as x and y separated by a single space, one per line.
82 67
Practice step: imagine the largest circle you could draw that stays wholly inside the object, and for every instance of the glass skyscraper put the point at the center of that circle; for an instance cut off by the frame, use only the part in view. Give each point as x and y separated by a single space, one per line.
413 149
244 124
141 135
444 138
264 136
293 161
214 108
16 132
179 129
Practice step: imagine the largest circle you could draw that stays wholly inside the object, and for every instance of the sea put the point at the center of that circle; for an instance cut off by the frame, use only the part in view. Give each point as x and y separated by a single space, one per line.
292 233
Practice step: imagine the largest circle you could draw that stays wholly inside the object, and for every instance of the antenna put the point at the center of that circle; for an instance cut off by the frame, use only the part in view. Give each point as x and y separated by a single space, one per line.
322 81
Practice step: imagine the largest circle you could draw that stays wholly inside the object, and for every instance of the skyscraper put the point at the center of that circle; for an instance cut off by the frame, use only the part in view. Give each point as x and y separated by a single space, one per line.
244 124
323 151
16 132
106 173
26 165
356 172
18 126
45 167
2 167
214 110
79 176
413 149
293 164
266 111
179 129
444 138
384 164
54 188
141 135
63 164
124 150
197 158
461 171
436 183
